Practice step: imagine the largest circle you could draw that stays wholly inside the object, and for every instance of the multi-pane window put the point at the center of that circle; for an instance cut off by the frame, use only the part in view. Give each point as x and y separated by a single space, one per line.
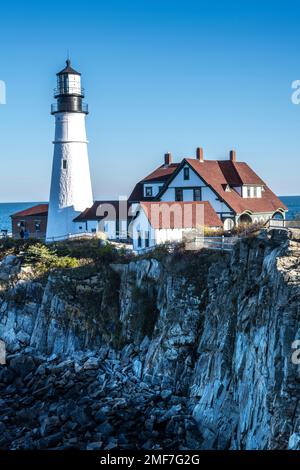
255 191
147 239
197 194
178 194
248 191
186 173
148 191
139 240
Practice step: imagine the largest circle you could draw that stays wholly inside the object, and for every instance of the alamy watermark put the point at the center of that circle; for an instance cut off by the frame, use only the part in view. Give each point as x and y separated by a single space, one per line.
296 94
296 353
2 353
2 92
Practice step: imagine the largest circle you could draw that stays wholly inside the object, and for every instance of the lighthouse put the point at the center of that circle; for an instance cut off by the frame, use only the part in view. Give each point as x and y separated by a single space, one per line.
71 189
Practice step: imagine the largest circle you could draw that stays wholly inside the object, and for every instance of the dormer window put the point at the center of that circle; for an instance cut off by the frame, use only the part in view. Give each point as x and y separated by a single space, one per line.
252 192
186 173
148 191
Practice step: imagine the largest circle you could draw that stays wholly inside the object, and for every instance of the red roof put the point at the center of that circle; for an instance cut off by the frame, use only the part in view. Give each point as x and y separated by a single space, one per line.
110 210
40 210
180 214
161 174
219 174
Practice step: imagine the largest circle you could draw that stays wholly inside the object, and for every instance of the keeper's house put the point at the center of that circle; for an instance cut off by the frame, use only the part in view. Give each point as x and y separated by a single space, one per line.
235 192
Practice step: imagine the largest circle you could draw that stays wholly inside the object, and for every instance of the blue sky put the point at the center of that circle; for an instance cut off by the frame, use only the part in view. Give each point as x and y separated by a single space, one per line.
159 75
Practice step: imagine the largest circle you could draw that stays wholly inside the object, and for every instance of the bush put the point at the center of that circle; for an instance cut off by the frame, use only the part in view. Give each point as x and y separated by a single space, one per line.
247 229
10 246
47 260
92 249
209 232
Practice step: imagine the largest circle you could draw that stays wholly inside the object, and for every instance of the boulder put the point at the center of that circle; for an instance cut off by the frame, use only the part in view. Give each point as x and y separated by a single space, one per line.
22 365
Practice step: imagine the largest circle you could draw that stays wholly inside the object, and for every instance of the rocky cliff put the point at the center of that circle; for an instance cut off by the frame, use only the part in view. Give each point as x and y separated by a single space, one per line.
189 350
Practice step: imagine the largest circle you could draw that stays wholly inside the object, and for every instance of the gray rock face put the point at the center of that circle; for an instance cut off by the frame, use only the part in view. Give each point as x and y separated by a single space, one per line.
49 320
208 336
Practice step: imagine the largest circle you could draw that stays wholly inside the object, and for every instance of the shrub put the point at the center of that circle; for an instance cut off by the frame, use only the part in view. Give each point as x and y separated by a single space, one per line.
209 232
92 249
47 260
247 229
12 246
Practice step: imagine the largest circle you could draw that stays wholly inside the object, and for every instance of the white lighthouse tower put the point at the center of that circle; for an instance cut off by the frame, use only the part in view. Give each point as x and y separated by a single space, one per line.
71 189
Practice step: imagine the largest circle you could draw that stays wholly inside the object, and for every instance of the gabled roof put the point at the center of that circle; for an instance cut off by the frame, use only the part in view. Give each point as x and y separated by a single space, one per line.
38 210
180 214
219 173
160 175
91 212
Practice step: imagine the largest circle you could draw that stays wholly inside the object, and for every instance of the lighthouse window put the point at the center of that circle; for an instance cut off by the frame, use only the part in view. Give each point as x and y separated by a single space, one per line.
64 164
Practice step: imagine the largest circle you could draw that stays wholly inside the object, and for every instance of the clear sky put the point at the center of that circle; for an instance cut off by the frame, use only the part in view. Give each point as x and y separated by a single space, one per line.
160 75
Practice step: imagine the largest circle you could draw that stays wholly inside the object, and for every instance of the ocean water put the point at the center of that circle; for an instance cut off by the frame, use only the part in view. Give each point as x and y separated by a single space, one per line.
8 208
293 205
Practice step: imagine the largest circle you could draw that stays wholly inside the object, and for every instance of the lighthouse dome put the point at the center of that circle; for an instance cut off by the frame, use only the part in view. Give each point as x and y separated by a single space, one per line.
68 70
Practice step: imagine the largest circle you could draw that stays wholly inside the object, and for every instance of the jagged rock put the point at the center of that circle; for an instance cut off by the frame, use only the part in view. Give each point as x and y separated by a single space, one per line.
137 368
105 429
23 337
294 441
100 417
49 424
6 375
94 446
165 394
22 365
91 363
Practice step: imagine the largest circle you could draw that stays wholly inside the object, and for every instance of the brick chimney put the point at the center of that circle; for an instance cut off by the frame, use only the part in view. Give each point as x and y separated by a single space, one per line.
199 154
232 155
168 158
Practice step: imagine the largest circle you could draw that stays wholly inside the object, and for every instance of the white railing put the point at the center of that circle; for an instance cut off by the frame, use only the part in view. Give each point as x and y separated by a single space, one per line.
213 243
283 224
72 236
68 90
198 243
